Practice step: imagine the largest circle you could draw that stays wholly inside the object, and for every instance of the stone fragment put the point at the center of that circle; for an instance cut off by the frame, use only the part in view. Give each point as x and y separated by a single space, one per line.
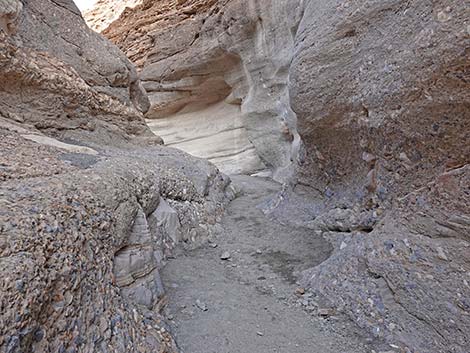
225 255
201 305
441 254
167 222
325 312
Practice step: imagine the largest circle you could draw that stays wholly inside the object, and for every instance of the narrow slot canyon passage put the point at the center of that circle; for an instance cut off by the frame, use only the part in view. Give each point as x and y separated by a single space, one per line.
322 95
234 176
239 291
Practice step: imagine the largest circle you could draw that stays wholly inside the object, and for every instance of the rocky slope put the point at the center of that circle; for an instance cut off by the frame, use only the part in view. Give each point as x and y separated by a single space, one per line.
103 13
90 204
381 93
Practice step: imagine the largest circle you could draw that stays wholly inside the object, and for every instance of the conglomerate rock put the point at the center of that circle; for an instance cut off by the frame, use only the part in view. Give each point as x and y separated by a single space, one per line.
382 94
389 79
66 221
64 79
83 182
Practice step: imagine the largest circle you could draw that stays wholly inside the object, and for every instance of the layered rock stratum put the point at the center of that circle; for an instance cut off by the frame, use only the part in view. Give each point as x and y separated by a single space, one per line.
90 204
379 93
216 76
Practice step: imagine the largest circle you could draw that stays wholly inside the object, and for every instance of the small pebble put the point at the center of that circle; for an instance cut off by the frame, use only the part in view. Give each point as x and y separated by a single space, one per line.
225 255
201 305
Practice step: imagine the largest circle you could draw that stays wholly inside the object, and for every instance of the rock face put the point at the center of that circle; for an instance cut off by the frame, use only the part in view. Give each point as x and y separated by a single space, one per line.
381 93
60 67
219 69
90 204
381 90
390 81
216 133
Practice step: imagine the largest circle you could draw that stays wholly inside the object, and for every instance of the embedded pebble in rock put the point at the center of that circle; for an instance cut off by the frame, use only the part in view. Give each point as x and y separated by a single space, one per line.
201 305
225 255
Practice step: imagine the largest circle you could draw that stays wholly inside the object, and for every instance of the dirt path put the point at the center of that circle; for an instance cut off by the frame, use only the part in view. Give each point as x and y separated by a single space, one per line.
248 304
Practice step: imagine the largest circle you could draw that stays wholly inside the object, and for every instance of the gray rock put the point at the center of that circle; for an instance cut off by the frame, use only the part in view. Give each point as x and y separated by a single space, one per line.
201 305
166 222
225 255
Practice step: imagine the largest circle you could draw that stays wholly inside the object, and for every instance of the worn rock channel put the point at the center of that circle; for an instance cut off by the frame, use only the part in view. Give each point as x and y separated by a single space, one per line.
131 219
250 302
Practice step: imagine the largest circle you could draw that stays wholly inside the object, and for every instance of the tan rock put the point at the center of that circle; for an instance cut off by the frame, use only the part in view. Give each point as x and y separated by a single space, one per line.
196 56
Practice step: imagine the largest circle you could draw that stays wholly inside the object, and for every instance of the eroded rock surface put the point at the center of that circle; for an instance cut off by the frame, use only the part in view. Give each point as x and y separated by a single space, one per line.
381 90
221 60
390 81
381 93
88 198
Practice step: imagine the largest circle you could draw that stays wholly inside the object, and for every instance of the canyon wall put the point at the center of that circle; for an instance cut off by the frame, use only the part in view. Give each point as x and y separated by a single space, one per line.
390 81
91 205
216 74
381 93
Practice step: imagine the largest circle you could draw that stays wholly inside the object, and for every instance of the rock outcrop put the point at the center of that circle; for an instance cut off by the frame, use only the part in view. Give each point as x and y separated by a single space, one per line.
90 204
220 69
381 93
60 67
390 81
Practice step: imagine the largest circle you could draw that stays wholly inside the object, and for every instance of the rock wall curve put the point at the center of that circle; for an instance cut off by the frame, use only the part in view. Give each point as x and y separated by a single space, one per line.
193 55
